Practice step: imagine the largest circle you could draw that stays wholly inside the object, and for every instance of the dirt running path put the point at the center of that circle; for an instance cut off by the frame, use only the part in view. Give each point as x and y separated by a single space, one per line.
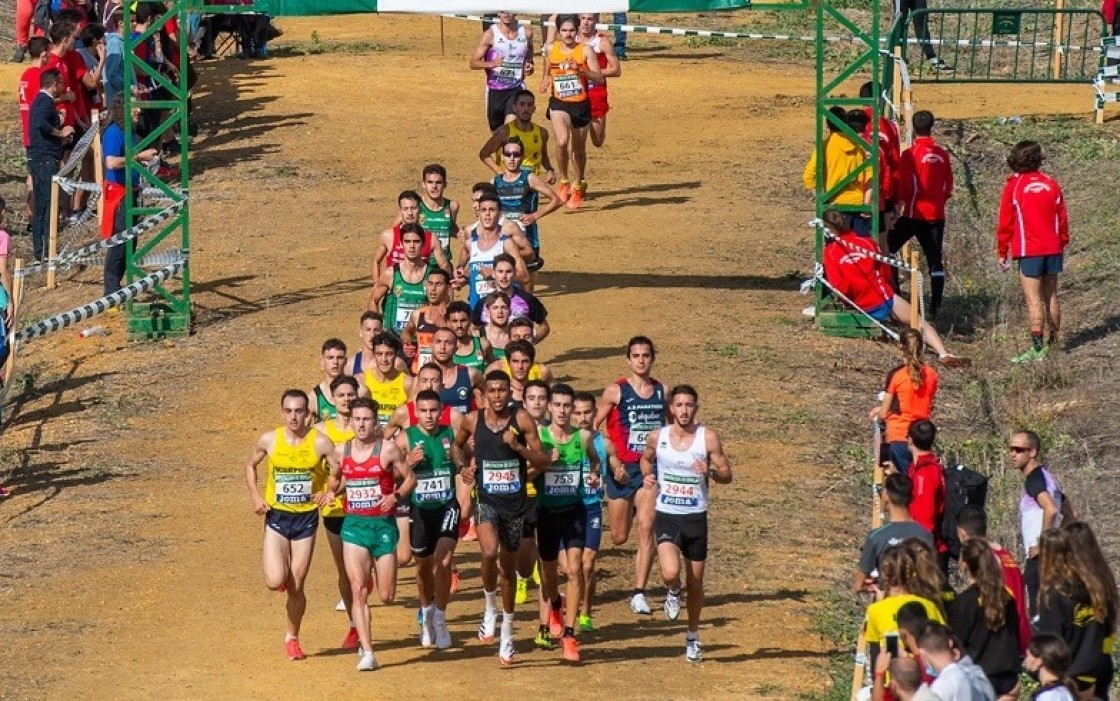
130 558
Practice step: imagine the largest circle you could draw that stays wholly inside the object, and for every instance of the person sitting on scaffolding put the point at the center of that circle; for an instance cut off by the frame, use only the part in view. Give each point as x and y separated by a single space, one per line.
854 267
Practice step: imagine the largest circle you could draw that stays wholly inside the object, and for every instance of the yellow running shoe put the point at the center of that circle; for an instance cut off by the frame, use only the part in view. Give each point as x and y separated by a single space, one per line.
522 591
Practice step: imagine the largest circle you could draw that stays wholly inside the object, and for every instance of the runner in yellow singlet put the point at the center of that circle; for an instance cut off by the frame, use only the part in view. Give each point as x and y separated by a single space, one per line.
533 137
297 460
568 66
344 389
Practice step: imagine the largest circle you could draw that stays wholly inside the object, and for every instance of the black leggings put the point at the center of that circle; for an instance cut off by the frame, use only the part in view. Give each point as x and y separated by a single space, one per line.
931 237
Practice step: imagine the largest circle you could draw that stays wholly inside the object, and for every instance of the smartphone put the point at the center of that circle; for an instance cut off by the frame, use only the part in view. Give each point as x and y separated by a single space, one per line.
892 644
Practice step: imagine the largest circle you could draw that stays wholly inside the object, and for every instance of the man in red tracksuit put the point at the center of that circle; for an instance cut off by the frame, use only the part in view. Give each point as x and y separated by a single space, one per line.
927 506
851 269
924 183
1034 230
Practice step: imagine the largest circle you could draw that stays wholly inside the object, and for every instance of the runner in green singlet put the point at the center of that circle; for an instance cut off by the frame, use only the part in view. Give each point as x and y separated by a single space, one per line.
401 288
437 213
332 359
470 350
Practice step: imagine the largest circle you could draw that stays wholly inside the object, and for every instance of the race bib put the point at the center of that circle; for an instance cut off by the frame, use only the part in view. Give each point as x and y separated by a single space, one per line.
679 490
564 483
293 489
636 441
363 494
510 71
403 315
433 489
564 86
484 286
501 477
591 486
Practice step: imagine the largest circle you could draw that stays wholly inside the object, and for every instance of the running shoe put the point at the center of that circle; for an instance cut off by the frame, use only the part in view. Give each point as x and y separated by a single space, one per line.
555 623
638 604
443 636
295 652
522 594
940 66
486 628
455 581
419 617
427 632
672 605
953 361
543 640
472 533
571 648
340 606
564 189
1031 355
20 54
586 624
536 576
367 663
692 649
536 264
506 651
351 642
576 199
5 492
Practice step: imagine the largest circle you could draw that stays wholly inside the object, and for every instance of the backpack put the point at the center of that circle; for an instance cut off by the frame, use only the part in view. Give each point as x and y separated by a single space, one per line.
963 487
41 15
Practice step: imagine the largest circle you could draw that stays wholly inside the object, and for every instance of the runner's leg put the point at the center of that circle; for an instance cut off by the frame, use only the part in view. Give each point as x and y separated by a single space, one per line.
358 564
277 557
1049 293
385 568
643 559
621 514
335 542
694 574
302 551
562 129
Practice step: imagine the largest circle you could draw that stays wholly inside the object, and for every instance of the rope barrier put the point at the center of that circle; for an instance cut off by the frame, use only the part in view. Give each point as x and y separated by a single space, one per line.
71 186
159 258
139 228
78 152
101 305
675 31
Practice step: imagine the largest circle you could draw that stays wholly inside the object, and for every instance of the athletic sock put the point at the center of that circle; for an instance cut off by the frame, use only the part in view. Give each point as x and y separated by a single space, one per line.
557 604
426 611
507 624
639 591
491 601
542 628
1036 340
675 592
289 637
692 635
569 632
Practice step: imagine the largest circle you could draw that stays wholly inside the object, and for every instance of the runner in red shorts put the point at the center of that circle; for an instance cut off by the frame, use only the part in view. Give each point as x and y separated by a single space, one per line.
609 66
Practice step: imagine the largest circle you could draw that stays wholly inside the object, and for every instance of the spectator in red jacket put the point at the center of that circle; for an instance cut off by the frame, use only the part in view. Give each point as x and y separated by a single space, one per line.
1111 11
851 268
928 504
924 183
1034 230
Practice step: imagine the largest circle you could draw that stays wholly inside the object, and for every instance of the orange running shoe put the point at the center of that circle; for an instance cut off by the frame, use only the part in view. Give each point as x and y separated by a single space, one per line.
350 642
576 199
295 652
571 648
472 533
555 623
564 189
454 581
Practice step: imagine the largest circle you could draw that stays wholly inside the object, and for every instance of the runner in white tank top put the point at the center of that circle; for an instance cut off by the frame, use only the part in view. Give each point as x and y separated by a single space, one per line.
679 461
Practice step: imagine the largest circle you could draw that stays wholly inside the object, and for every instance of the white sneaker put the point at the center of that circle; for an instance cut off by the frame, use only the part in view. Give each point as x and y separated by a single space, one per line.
427 632
506 651
638 604
367 663
443 636
692 649
340 606
672 605
486 628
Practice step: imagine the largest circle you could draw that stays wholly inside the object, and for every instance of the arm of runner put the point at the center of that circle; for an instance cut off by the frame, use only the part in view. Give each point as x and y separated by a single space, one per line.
441 257
590 68
486 153
592 455
403 470
614 465
610 399
614 66
533 452
462 465
546 83
465 431
334 483
260 452
398 421
529 38
546 372
478 58
520 272
1049 509
646 463
408 333
326 451
381 289
721 466
541 332
542 188
546 162
380 254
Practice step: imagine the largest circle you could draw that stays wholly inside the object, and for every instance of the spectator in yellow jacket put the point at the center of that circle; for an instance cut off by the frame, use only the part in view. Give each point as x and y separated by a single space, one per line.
841 157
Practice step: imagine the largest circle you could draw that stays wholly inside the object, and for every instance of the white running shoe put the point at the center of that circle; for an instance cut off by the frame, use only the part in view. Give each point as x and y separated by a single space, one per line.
672 605
506 651
692 649
638 604
486 628
340 606
367 663
427 632
443 636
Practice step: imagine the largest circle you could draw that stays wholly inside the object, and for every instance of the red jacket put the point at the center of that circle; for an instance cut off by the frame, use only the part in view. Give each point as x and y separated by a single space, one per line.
888 157
888 134
927 505
854 274
925 180
1032 217
1108 9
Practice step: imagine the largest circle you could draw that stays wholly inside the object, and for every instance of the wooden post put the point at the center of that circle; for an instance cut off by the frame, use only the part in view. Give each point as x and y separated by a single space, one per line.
98 168
861 660
52 248
442 47
915 299
17 290
1059 36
